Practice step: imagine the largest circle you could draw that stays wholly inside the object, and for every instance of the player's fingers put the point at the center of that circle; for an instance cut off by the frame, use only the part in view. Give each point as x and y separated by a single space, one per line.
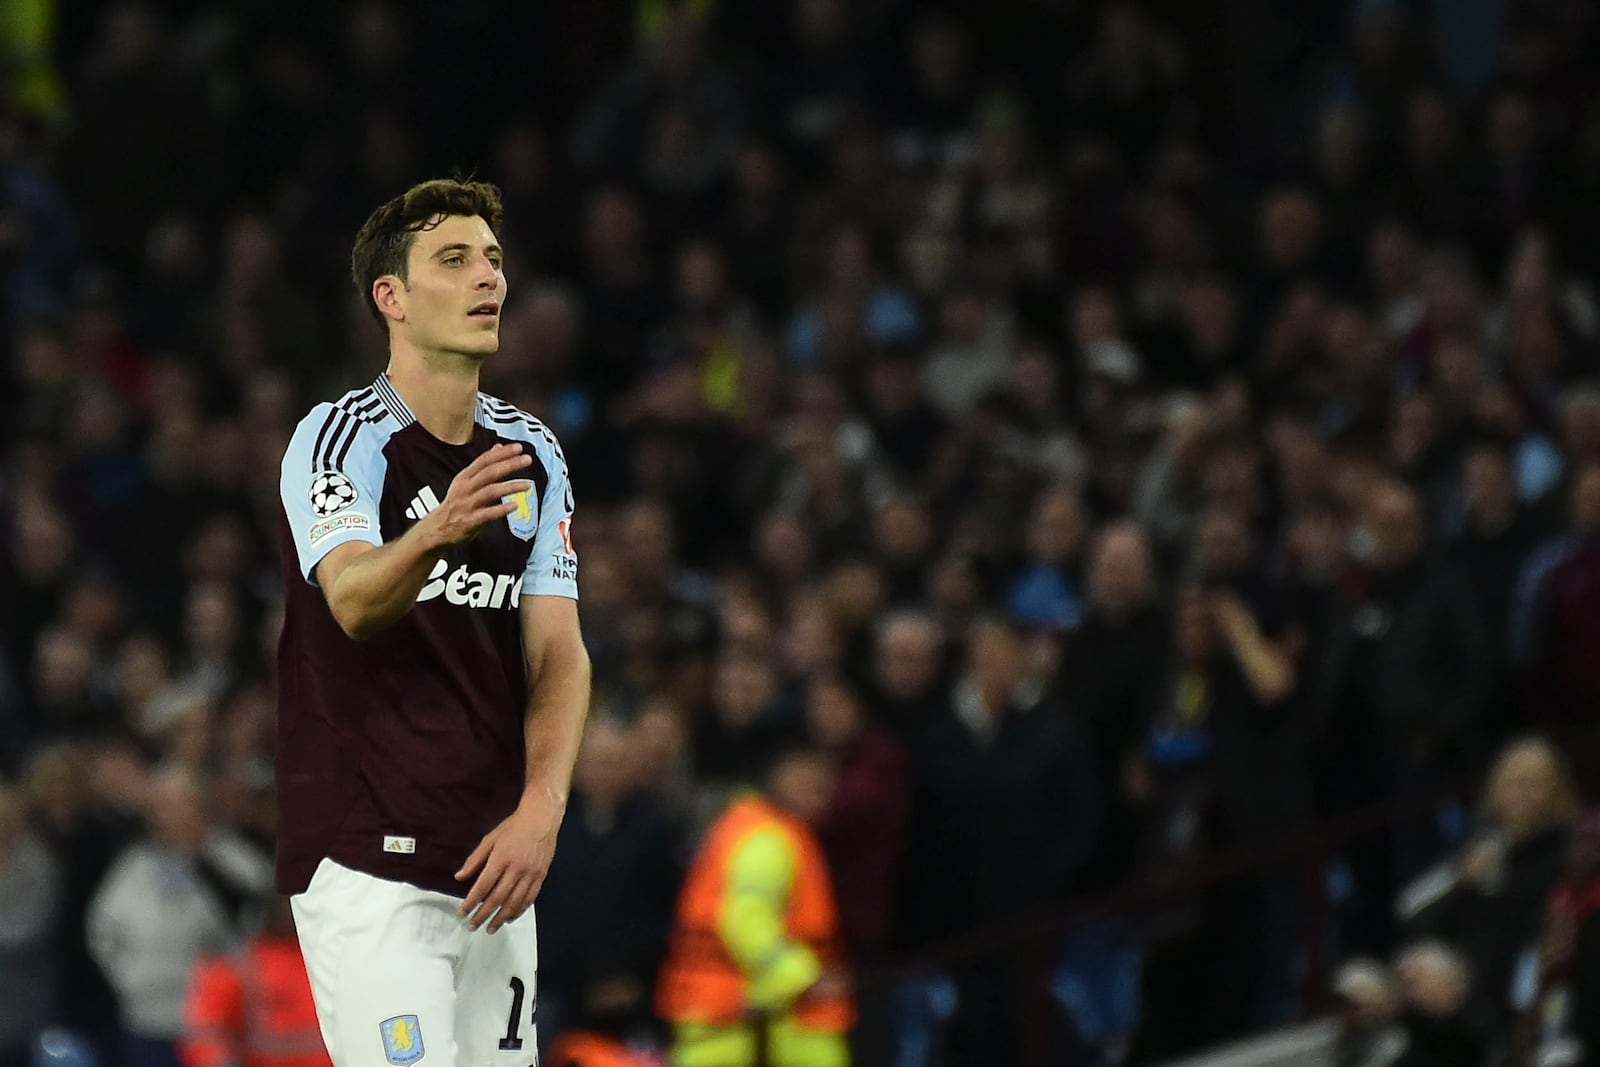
498 490
516 903
477 858
491 873
474 476
496 454
495 903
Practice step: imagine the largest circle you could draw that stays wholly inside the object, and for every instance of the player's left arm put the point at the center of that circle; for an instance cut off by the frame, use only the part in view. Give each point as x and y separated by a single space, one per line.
511 861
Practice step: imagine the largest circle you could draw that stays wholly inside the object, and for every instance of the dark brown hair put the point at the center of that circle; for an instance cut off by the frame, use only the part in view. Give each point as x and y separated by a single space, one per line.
385 238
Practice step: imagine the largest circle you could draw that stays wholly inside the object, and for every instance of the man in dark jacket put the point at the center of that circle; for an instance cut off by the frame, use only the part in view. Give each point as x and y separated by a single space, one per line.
1555 626
1005 811
1411 657
1402 683
1110 679
607 906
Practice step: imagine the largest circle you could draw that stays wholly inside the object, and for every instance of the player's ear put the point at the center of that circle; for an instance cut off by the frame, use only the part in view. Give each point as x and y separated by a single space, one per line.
387 294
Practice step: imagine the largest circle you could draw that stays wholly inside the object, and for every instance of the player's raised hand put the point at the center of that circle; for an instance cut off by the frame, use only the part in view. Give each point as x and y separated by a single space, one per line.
510 864
476 496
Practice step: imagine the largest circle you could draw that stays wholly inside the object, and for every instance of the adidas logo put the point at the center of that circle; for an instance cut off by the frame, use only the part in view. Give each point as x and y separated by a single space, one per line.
422 503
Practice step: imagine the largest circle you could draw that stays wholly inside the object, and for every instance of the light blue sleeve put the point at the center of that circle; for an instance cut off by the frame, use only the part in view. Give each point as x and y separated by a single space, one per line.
553 563
328 500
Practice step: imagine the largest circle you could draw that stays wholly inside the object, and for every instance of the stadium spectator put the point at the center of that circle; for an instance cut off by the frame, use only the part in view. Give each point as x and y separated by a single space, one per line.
176 894
1561 1020
253 1008
607 902
29 887
83 838
757 954
1489 902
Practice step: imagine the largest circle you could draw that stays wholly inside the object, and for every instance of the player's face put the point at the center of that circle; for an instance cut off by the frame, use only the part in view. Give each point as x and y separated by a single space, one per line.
455 288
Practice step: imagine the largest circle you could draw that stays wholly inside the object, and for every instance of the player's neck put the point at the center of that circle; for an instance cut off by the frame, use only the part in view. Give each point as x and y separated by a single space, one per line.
441 389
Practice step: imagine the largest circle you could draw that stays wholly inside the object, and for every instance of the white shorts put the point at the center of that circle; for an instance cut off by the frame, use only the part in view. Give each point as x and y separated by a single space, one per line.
399 978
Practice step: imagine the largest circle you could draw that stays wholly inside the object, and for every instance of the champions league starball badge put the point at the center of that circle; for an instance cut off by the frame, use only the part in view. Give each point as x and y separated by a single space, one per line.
331 493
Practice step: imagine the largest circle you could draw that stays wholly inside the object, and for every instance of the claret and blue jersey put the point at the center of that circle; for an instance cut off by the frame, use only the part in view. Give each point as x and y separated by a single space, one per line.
416 734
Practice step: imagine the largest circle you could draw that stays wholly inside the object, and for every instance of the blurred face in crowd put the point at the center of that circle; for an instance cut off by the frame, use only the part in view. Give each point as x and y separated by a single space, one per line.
1222 544
1354 346
1056 527
743 688
1392 261
833 713
938 56
13 824
954 590
451 297
55 785
1583 858
1339 143
646 533
1291 225
551 326
1429 129
1458 373
811 642
903 531
1121 577
1586 500
606 767
659 739
61 665
907 655
1230 475
854 594
701 277
212 620
997 663
1580 426
746 625
1095 316
42 540
1035 381
1511 132
1528 789
783 545
1210 313
1491 490
175 814
1303 463
802 783
1317 540
612 232
1396 523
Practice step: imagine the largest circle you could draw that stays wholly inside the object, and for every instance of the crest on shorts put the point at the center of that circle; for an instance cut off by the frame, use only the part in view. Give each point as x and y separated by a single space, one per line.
402 1040
524 519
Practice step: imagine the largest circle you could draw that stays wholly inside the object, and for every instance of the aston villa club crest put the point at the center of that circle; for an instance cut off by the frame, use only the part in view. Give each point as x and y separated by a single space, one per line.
524 519
402 1040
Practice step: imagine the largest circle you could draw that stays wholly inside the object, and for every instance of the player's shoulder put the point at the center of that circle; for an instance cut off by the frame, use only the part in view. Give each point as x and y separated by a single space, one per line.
512 422
329 431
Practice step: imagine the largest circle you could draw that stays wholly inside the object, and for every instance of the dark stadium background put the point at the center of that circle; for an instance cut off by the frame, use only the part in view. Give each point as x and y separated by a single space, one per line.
1207 390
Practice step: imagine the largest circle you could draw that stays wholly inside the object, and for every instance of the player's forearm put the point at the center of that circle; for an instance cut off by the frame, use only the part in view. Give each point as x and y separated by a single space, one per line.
376 588
558 706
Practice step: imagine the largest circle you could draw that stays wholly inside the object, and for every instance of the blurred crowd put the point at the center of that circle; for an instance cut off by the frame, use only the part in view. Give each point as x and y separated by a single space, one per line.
1126 434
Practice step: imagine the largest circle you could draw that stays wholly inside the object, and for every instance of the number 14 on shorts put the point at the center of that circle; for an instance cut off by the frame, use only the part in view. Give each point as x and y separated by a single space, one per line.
512 1042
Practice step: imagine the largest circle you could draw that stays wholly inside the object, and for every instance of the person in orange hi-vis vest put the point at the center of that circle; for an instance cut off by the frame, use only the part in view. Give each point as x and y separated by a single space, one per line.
589 1048
756 955
254 1008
